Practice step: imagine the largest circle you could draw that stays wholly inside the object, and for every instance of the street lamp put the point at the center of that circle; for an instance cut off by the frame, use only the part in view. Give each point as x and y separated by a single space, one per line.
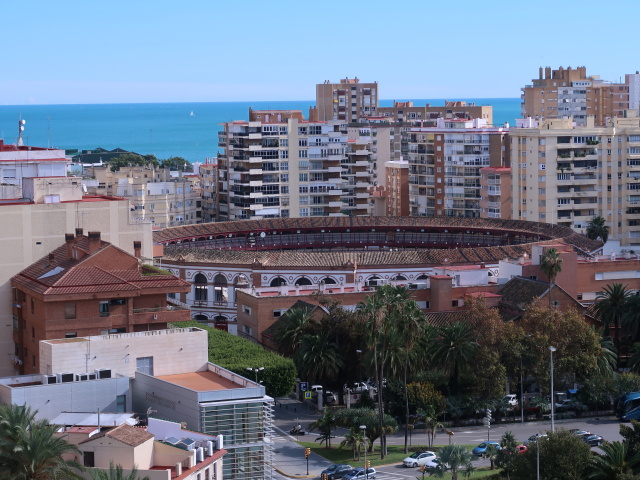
522 386
255 370
553 403
364 439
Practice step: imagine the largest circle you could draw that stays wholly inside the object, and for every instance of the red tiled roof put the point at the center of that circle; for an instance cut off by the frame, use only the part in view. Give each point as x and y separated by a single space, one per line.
108 269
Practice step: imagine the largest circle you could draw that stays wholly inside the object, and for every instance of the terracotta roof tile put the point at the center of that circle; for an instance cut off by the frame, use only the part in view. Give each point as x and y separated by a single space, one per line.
132 436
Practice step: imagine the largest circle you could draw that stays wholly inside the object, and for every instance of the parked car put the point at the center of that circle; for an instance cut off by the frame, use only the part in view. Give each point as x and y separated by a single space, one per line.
360 387
511 400
480 449
359 474
335 471
580 433
435 464
593 440
534 438
418 458
316 388
330 397
521 449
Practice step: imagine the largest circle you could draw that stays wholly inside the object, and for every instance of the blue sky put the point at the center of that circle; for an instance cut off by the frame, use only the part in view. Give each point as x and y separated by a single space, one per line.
213 50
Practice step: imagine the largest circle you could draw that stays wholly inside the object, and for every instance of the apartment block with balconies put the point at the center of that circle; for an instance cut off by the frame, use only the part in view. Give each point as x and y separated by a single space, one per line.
347 101
279 165
566 174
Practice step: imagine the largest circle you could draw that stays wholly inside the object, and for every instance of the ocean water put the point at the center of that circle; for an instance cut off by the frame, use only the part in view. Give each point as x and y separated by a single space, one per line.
162 129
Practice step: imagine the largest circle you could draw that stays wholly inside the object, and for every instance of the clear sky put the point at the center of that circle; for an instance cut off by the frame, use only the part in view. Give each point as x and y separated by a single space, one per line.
122 51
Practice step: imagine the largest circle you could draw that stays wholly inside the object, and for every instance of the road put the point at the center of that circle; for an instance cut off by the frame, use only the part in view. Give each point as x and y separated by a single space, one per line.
289 458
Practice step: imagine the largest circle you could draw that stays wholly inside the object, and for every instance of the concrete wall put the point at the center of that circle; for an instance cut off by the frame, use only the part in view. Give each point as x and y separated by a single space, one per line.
51 400
174 351
30 232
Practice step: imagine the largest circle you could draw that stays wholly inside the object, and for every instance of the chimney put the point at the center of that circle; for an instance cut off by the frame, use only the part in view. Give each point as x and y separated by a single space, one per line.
51 257
94 242
137 246
68 238
78 232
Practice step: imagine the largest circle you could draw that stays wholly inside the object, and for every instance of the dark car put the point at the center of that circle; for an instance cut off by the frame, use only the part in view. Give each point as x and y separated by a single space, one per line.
335 471
593 440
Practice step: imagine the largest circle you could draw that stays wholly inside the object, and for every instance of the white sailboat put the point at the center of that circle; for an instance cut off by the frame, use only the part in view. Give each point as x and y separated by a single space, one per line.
192 114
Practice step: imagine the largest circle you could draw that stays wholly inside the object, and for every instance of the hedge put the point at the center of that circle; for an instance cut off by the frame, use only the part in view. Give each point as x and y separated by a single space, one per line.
237 354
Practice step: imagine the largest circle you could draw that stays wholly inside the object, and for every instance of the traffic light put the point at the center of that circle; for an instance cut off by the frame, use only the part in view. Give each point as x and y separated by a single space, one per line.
324 476
307 452
423 468
368 465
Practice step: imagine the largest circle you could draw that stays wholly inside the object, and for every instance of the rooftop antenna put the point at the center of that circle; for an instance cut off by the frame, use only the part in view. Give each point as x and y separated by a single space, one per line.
21 123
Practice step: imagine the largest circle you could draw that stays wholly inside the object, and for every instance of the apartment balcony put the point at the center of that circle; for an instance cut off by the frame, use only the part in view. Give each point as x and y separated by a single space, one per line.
168 314
255 171
334 169
334 204
255 136
364 174
362 163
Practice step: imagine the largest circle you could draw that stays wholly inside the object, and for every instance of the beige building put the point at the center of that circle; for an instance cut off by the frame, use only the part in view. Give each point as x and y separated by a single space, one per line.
208 173
32 229
427 115
566 175
278 165
347 101
572 93
162 197
495 192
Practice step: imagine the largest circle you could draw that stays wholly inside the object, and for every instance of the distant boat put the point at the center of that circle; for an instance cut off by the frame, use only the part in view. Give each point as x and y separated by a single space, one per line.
192 114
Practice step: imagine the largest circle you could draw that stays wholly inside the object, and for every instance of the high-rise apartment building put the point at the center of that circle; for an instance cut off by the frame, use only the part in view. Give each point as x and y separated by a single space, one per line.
427 115
347 101
279 165
571 92
566 175
445 162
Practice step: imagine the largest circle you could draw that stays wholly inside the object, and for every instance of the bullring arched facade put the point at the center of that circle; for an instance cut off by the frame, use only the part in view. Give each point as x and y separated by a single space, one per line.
218 258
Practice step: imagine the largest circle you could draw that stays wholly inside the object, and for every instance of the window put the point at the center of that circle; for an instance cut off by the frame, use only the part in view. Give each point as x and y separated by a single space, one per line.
144 365
33 334
304 177
246 310
302 153
304 212
33 307
104 309
71 335
121 403
201 290
89 459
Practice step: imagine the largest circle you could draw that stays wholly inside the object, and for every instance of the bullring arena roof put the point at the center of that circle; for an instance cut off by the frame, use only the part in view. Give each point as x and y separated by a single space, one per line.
340 241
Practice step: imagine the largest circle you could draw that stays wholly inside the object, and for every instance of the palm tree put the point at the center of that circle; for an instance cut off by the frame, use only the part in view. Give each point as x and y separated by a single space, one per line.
631 319
613 463
116 472
32 452
551 265
317 357
454 347
356 441
607 358
612 305
458 459
291 327
409 322
491 452
324 425
597 228
431 423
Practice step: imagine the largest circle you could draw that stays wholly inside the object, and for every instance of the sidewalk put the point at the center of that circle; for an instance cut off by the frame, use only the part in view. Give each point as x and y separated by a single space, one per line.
288 459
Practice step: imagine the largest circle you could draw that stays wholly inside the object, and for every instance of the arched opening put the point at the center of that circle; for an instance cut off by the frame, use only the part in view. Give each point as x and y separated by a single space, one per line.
400 278
201 318
201 290
278 282
303 281
328 281
220 288
422 277
374 281
221 322
241 281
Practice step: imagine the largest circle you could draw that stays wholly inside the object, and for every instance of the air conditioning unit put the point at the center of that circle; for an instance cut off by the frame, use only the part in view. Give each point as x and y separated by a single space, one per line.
66 377
49 379
103 372
82 377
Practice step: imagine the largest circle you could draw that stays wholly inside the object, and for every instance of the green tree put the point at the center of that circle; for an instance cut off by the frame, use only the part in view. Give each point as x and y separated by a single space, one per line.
354 417
131 160
491 452
631 319
291 327
551 265
453 348
431 423
458 460
318 358
563 455
30 451
506 455
597 229
631 437
613 462
607 358
176 163
356 441
116 472
611 305
325 426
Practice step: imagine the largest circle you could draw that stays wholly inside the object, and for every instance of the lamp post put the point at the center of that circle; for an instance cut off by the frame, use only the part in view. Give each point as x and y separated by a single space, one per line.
255 370
553 403
364 440
522 386
537 457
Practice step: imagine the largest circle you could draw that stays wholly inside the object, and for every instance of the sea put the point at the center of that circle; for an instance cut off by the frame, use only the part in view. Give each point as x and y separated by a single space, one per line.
187 130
